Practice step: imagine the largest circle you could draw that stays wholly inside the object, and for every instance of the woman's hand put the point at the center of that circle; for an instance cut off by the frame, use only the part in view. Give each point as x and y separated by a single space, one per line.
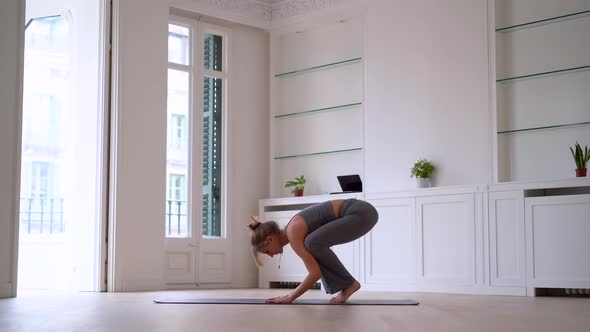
281 299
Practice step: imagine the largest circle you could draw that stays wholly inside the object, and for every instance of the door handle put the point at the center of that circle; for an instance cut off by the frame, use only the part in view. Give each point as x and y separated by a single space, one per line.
193 245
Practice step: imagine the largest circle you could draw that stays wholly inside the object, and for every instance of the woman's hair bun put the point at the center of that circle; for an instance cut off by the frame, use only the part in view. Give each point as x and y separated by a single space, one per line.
254 223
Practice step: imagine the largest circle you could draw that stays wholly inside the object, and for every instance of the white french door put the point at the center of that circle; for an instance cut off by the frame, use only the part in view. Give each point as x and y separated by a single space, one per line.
197 239
63 157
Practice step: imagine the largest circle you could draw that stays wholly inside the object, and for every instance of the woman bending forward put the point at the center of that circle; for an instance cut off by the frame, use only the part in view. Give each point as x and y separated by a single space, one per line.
311 233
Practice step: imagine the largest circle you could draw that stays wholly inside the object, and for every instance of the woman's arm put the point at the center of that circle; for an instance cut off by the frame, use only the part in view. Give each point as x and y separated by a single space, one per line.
313 275
313 270
296 235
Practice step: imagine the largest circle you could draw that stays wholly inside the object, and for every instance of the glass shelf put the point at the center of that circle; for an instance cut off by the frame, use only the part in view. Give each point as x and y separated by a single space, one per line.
544 21
326 66
545 127
560 71
317 153
318 110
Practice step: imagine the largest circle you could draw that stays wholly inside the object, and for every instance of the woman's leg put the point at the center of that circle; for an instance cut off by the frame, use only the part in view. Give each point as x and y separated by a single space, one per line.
357 221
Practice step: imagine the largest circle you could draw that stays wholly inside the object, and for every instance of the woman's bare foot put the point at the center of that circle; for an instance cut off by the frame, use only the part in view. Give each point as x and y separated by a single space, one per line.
346 293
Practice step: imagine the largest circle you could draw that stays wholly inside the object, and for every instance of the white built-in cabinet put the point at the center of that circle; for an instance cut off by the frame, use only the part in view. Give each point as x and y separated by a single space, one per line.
424 240
503 239
390 247
446 241
557 241
537 230
506 238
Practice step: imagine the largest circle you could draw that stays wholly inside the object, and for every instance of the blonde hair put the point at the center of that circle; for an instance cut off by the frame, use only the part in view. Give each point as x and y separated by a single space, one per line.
258 234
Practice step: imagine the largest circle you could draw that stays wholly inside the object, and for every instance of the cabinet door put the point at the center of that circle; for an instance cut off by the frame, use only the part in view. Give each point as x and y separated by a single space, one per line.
389 248
506 238
446 240
557 246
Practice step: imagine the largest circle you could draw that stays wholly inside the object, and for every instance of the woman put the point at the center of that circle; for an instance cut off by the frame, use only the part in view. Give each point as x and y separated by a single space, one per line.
311 233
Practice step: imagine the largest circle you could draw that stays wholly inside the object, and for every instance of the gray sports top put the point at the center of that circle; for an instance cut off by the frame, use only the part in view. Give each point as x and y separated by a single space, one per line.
318 215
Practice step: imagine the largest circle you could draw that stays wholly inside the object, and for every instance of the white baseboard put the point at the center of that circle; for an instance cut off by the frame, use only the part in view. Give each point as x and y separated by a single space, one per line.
5 290
197 287
475 290
157 285
388 288
507 291
244 285
140 285
513 291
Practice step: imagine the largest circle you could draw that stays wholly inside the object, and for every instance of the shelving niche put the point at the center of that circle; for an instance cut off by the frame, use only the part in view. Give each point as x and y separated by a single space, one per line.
316 105
542 69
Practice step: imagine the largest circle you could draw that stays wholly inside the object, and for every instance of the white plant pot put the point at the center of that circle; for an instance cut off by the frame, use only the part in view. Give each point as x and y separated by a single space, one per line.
423 182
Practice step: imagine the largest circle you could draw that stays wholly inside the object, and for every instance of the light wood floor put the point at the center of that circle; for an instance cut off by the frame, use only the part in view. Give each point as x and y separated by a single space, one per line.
436 312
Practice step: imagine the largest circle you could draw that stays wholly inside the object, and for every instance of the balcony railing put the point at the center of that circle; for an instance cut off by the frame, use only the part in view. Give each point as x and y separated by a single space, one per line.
176 221
42 215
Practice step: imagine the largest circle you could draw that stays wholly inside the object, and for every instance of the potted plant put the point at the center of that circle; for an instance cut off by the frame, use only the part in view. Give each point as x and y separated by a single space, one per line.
422 170
298 184
581 158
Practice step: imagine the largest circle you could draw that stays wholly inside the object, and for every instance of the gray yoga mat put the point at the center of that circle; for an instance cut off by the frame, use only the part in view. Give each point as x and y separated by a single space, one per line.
296 302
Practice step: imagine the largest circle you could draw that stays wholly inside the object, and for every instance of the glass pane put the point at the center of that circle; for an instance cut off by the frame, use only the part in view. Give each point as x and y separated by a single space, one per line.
178 44
212 148
46 109
177 153
213 56
321 67
62 152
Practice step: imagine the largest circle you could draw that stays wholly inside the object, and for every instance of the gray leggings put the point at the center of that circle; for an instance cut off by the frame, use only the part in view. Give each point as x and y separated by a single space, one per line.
356 219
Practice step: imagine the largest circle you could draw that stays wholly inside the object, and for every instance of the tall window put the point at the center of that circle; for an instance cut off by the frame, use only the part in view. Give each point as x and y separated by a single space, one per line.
47 92
196 77
179 115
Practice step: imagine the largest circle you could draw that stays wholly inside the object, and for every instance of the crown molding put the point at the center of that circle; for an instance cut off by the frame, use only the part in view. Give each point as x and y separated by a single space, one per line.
248 12
250 8
256 12
291 8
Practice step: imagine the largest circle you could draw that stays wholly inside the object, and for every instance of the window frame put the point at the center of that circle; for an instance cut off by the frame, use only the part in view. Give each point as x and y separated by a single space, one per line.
197 73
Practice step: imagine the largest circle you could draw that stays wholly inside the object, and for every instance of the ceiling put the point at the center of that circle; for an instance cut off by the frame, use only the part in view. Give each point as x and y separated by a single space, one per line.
270 2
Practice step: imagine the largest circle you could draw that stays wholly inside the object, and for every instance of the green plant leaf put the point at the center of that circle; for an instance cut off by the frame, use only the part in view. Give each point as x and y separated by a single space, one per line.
298 183
422 169
581 156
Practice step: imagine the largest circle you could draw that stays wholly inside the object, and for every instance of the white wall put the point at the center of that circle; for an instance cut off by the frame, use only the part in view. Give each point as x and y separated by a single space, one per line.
426 92
139 154
248 141
140 163
12 18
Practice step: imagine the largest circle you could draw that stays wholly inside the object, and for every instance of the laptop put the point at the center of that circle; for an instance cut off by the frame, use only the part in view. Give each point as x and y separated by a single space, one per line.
349 184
